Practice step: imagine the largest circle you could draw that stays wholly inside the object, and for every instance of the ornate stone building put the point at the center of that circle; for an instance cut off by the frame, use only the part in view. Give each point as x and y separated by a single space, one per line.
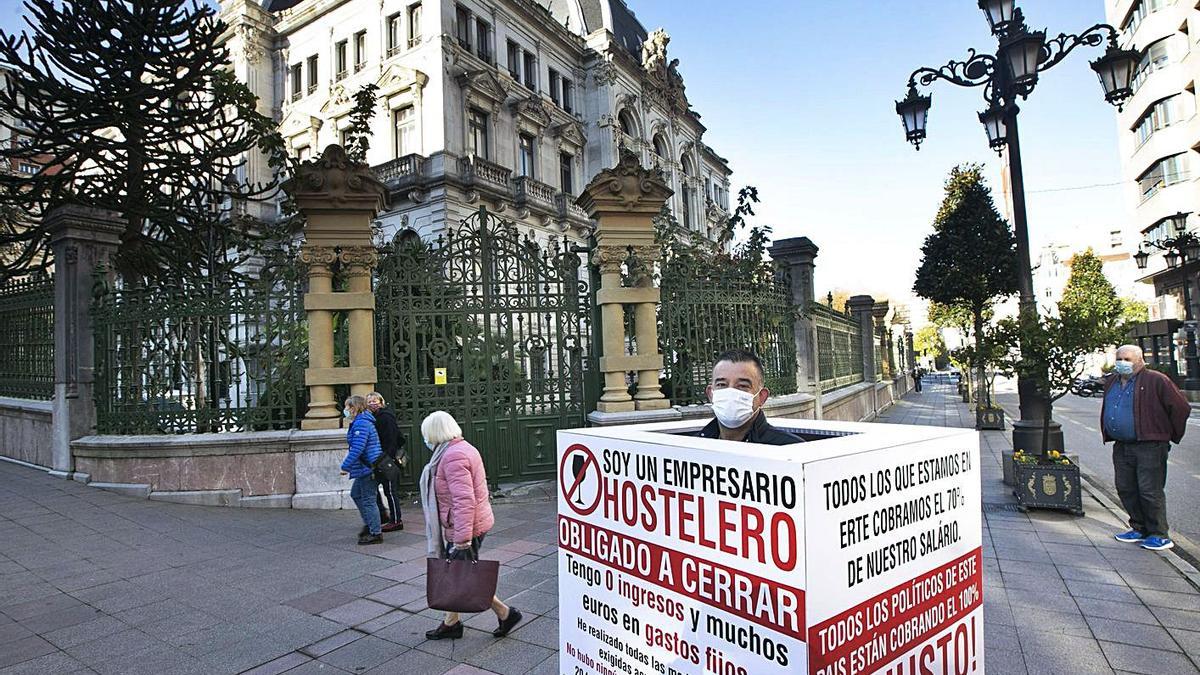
510 104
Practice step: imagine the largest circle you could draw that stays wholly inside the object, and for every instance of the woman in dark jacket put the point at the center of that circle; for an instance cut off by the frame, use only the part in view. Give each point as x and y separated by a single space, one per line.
392 442
363 450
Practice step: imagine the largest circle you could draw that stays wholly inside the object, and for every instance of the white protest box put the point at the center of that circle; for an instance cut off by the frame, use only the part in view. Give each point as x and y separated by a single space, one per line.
857 552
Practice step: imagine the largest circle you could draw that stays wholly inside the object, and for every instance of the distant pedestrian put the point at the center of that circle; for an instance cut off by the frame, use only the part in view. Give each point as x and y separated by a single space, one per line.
364 449
917 376
1143 413
392 443
458 513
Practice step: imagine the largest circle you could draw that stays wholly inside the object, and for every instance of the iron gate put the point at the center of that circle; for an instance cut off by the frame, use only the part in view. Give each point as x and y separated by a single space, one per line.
509 321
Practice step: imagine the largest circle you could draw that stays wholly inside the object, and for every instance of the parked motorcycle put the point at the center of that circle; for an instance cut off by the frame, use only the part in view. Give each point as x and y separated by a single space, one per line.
1088 387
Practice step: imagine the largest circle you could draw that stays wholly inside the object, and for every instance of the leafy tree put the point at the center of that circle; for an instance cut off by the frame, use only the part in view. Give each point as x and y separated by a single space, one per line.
128 106
1051 351
358 134
928 342
970 259
1133 311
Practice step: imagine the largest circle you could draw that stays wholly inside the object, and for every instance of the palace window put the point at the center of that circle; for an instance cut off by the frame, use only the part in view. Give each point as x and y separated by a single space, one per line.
477 136
404 130
483 47
462 18
360 50
297 76
566 172
531 71
340 60
514 60
414 25
1141 10
660 147
312 73
554 86
625 121
568 91
393 33
528 155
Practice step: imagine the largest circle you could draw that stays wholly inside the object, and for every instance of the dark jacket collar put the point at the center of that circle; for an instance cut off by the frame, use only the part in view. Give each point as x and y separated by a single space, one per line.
760 432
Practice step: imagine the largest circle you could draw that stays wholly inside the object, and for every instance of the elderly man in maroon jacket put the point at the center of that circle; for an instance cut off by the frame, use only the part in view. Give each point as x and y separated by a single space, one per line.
1143 413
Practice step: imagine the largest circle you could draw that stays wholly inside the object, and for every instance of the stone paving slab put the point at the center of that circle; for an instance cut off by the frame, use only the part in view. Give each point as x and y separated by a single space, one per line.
96 582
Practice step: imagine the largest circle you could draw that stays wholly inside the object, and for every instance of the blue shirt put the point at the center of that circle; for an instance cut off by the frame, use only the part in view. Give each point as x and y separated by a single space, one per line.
1118 410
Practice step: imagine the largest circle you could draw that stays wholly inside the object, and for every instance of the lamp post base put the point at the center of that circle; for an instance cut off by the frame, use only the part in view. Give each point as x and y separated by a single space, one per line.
1027 436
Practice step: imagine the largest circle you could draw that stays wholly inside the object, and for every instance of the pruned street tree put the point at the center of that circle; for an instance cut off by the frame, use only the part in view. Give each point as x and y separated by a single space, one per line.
969 261
131 107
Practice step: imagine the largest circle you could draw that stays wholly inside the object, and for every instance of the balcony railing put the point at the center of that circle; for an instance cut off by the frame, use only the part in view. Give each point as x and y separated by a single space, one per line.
567 208
401 168
475 169
529 191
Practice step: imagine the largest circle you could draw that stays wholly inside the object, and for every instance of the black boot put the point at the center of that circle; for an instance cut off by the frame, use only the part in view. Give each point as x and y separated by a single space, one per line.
444 632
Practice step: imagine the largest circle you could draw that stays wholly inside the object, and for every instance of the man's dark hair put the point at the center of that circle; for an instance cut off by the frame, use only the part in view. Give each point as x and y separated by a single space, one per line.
742 356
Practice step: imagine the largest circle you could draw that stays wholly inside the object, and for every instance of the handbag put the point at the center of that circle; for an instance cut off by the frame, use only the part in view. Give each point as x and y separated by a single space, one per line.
462 585
385 469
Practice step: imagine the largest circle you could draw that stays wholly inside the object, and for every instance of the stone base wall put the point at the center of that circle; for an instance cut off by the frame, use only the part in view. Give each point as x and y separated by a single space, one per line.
274 469
27 431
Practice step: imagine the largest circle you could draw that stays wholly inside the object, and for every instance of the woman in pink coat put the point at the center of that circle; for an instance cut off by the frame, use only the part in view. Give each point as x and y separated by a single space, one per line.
458 513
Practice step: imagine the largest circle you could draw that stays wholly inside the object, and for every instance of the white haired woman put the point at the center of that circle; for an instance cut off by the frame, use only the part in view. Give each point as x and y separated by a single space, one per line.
458 513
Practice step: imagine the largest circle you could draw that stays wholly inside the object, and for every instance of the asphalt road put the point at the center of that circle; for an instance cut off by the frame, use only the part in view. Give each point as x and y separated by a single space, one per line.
1080 420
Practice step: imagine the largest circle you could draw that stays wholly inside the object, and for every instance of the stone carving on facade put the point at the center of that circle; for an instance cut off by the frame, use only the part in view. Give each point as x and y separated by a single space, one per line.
640 264
252 48
626 100
570 132
397 78
654 50
335 178
605 74
359 259
340 102
484 85
606 120
532 110
71 254
664 83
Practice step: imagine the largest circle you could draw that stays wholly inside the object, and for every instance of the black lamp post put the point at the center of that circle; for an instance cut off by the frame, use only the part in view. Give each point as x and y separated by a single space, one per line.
1011 73
1180 251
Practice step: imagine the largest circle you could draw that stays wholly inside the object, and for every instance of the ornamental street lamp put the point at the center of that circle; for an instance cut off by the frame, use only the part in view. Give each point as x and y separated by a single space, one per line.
1181 251
1011 73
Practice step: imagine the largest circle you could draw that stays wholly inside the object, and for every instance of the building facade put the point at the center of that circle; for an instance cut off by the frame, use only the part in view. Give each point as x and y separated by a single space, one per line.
510 104
1159 134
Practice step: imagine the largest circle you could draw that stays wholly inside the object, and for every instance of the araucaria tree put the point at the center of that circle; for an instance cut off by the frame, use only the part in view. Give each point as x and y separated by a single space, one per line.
970 258
131 107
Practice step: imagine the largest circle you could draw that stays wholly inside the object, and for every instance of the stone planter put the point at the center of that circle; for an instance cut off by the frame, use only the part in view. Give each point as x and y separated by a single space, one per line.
1048 486
989 419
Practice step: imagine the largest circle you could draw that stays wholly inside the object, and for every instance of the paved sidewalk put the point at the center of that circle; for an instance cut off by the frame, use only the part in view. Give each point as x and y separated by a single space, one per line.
1060 594
92 581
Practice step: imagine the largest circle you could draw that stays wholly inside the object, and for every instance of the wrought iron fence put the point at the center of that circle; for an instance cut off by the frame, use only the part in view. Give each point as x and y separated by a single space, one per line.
201 358
839 348
27 338
707 309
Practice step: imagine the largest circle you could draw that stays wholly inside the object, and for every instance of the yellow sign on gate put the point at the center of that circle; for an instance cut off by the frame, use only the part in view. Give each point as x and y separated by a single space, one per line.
439 376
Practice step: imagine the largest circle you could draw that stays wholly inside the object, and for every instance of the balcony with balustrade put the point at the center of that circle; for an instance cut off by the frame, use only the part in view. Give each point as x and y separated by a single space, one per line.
480 174
530 193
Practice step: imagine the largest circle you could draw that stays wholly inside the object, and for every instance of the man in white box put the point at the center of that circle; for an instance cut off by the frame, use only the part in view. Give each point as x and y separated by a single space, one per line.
737 393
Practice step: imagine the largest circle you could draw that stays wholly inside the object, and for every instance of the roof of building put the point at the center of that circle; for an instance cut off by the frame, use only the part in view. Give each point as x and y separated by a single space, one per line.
279 5
587 16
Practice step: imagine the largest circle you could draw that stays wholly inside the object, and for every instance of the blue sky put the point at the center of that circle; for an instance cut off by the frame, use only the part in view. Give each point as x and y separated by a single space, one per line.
799 96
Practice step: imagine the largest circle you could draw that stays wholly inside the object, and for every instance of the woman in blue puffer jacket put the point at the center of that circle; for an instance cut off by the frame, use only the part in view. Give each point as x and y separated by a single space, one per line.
363 451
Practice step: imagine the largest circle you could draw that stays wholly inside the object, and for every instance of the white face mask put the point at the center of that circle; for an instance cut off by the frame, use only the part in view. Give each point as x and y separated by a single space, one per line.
733 407
1123 368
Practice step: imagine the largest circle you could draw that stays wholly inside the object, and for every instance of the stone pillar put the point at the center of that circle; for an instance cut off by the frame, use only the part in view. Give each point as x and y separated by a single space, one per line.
624 201
796 256
909 349
338 198
862 308
81 238
880 312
